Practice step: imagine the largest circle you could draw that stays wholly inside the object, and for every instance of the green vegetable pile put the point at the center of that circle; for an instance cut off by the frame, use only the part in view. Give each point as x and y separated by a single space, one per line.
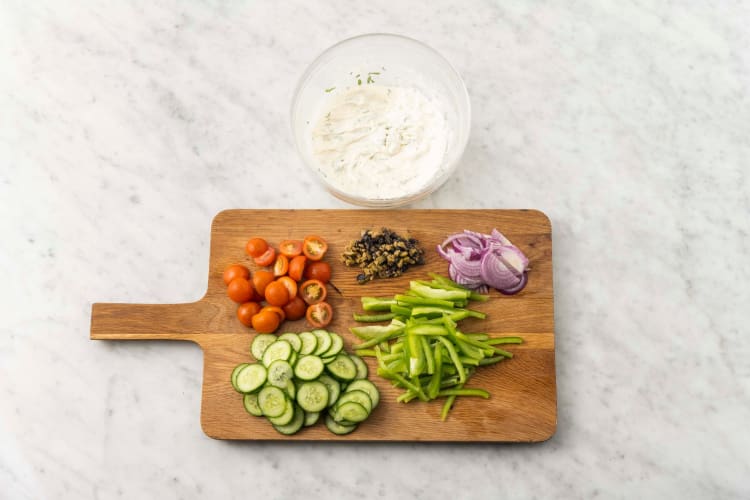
422 350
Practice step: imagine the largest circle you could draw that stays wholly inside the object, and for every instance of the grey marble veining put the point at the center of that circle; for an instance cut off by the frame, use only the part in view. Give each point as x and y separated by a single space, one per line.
124 127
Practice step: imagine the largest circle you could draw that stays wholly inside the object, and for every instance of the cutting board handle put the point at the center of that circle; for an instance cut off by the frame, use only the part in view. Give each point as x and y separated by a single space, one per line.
147 321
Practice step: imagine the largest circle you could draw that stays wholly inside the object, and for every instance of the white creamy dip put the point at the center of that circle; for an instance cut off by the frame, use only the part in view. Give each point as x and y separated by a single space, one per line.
380 142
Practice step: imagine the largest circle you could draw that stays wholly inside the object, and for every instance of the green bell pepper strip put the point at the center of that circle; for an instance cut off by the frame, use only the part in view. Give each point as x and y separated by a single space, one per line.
479 336
422 329
448 404
427 310
429 360
418 390
365 352
465 392
504 340
373 318
482 345
454 357
491 361
442 281
401 310
377 303
438 293
421 301
469 361
434 386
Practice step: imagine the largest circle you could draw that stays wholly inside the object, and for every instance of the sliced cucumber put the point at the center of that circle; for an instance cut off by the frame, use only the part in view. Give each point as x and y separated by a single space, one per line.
311 418
337 344
368 387
328 360
361 367
293 358
308 367
333 386
250 378
312 396
234 375
357 396
324 341
351 412
281 349
291 389
280 373
295 425
250 401
338 428
293 340
272 401
309 343
260 343
285 417
343 368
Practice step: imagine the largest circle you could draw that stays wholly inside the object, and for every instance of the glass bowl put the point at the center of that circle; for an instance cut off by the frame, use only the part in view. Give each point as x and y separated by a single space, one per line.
391 60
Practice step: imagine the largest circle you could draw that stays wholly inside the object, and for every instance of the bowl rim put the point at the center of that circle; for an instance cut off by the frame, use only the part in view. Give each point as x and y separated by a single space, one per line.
381 202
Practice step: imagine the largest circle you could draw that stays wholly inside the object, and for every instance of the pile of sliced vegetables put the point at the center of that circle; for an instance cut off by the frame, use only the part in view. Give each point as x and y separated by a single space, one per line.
295 287
422 349
480 260
300 376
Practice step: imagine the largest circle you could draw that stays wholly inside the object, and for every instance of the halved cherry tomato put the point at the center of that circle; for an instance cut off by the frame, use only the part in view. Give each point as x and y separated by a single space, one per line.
246 312
276 310
290 248
295 309
256 247
313 291
267 258
281 266
318 271
297 267
261 279
240 290
276 294
320 314
235 271
314 247
265 322
290 284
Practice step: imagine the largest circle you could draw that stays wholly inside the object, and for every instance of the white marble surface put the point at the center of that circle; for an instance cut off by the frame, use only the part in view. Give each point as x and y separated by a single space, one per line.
125 126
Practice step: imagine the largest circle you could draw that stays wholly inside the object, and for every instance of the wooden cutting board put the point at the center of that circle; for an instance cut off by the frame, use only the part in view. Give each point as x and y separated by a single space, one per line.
523 405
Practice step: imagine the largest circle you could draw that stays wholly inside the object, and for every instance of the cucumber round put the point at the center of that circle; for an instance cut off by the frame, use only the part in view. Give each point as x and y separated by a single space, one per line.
312 396
356 396
309 343
368 387
234 374
337 344
272 401
324 341
361 367
337 428
260 343
333 386
293 340
342 367
251 378
352 412
285 417
280 373
295 425
311 418
281 349
250 401
308 367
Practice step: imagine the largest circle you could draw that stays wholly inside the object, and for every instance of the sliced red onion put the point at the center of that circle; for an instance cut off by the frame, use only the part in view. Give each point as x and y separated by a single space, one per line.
496 273
514 259
497 235
521 285
471 269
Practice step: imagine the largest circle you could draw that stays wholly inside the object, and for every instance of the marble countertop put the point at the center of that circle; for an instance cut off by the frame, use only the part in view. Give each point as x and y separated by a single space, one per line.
124 127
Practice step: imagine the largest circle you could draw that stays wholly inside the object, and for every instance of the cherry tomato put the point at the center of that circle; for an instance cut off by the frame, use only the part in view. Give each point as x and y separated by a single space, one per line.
261 279
297 267
235 271
256 247
281 266
267 258
290 284
246 312
276 294
318 271
313 291
265 322
295 309
314 247
240 290
276 310
290 248
320 314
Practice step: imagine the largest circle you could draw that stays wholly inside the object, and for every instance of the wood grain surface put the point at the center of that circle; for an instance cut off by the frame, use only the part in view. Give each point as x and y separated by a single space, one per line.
523 405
